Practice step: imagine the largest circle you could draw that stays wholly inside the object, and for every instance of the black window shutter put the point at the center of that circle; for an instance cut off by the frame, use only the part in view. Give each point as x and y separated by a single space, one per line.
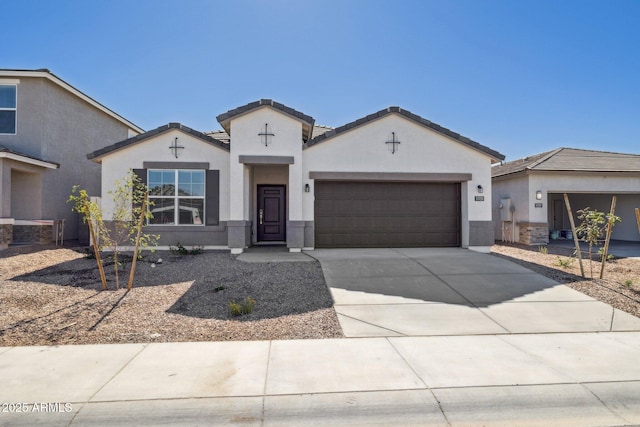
212 204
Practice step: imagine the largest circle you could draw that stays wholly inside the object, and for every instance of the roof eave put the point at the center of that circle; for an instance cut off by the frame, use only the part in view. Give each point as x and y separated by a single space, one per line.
493 155
44 73
307 121
98 155
6 154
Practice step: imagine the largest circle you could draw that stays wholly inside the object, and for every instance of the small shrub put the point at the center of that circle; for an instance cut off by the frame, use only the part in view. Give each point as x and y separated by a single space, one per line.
89 253
627 283
180 250
610 257
244 307
196 250
543 250
565 262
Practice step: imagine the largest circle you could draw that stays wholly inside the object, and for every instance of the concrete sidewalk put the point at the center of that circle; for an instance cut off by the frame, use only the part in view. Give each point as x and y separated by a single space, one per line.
581 379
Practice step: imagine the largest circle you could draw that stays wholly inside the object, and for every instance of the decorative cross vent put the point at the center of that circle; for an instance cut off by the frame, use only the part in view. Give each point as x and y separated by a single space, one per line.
266 134
394 142
174 146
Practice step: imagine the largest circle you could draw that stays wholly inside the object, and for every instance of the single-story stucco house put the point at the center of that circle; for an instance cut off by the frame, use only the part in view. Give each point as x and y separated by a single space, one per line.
528 202
390 179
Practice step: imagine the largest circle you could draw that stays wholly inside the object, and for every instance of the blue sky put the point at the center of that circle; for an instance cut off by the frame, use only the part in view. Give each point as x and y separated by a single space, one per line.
521 77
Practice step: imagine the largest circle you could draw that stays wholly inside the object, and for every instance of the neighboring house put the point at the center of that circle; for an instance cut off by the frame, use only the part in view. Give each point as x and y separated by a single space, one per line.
46 128
390 179
528 203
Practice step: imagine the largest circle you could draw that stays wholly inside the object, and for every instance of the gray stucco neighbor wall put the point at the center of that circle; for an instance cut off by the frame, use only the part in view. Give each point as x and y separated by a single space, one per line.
481 233
59 127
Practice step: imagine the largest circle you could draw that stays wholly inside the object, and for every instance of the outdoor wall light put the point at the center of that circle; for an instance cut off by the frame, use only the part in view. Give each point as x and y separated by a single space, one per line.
307 189
538 195
480 189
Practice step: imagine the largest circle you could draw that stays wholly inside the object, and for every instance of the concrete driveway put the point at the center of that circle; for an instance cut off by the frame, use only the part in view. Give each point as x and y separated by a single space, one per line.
454 291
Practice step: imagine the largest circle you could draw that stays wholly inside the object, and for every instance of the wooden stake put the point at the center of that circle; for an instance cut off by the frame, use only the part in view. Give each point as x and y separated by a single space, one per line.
573 230
608 238
135 250
638 218
96 251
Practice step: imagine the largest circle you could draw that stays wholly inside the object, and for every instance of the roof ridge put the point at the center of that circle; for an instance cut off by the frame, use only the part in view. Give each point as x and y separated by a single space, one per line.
544 158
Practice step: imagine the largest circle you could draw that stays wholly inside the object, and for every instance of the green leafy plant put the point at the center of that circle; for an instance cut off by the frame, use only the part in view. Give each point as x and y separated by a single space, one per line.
543 249
129 214
627 283
610 257
91 215
593 227
565 262
244 307
180 250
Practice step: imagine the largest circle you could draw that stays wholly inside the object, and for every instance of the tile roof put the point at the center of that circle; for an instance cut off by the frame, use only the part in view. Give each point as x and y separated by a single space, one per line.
96 155
409 115
220 135
571 160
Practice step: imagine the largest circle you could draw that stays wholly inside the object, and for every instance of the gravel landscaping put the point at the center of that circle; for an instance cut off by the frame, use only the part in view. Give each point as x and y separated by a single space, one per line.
53 296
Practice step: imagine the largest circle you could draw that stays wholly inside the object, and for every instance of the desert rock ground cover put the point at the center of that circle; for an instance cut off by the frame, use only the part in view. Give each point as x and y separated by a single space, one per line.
53 296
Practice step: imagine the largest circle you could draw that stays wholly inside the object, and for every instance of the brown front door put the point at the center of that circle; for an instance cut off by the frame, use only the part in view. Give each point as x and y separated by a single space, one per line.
271 213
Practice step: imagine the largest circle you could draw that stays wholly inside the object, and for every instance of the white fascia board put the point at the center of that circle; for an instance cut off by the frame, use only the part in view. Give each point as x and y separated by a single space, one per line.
28 160
53 78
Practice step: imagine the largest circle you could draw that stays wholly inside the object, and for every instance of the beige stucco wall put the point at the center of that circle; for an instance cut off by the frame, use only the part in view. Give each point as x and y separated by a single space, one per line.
421 150
117 165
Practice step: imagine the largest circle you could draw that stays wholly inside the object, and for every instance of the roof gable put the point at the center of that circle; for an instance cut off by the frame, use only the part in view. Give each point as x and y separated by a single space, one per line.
45 73
307 121
571 160
97 155
412 117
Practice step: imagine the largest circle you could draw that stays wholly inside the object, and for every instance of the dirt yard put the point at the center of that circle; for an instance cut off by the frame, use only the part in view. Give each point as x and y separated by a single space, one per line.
51 296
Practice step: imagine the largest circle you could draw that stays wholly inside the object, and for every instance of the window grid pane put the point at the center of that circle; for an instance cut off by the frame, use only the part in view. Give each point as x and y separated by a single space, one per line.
8 96
186 207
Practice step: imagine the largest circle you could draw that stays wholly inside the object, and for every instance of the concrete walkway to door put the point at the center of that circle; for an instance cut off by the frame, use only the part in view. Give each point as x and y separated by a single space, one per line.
454 291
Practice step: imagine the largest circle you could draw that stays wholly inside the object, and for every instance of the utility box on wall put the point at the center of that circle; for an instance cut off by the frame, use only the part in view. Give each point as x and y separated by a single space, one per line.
506 210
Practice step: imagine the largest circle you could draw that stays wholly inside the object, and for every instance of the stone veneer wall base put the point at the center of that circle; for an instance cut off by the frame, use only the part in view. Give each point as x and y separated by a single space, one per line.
533 233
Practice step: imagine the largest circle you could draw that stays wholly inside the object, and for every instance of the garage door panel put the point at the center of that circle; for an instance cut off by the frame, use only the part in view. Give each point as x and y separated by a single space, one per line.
367 214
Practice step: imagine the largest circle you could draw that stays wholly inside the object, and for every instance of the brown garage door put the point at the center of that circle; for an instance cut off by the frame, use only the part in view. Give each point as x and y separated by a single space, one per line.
386 214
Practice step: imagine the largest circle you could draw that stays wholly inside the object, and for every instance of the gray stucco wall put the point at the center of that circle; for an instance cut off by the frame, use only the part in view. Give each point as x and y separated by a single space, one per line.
59 127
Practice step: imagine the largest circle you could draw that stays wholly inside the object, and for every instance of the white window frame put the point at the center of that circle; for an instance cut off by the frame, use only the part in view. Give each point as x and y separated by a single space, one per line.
176 197
13 83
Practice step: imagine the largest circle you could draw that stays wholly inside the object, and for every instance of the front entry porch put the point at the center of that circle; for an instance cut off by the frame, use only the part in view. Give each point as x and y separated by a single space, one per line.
269 204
